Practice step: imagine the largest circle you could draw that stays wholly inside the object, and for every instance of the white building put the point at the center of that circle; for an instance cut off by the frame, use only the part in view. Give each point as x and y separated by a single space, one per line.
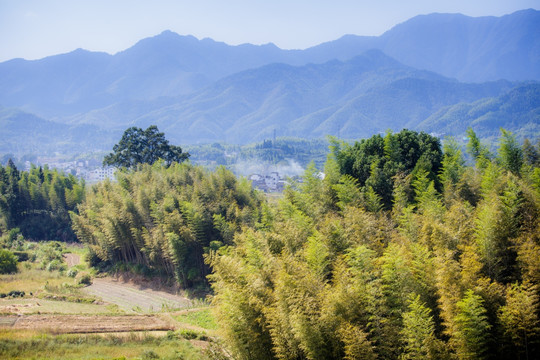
100 174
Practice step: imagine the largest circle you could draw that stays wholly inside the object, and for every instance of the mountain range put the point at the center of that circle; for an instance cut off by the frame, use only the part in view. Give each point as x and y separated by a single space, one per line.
437 72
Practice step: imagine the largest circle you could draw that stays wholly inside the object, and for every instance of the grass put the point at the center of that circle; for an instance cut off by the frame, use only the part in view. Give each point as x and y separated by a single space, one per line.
48 291
31 279
31 276
54 292
45 306
133 346
202 318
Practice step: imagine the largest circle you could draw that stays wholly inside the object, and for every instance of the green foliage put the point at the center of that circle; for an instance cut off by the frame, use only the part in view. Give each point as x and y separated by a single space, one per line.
510 153
519 319
329 271
84 279
139 146
356 344
473 328
418 332
8 262
38 202
374 162
165 219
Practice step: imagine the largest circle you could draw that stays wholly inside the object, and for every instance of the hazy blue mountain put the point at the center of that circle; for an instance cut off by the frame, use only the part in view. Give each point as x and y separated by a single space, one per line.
204 91
55 85
517 110
25 133
471 49
170 65
367 94
166 65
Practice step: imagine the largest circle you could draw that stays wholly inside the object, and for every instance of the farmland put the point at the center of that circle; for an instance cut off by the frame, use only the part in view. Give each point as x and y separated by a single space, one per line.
50 315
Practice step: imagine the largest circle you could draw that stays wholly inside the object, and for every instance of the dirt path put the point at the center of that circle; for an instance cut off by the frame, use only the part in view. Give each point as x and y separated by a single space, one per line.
72 259
87 323
133 298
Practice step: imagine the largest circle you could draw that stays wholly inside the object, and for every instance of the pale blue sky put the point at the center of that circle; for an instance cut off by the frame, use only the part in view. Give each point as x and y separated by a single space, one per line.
34 29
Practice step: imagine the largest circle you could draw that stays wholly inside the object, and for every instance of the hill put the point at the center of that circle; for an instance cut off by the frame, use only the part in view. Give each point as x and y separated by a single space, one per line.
201 91
25 133
517 110
370 93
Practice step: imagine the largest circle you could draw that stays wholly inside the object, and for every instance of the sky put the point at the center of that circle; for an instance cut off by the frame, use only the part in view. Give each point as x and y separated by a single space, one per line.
34 29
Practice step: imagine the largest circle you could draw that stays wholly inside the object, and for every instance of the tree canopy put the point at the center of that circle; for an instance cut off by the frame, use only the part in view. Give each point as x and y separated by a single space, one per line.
37 202
374 162
165 219
448 268
139 146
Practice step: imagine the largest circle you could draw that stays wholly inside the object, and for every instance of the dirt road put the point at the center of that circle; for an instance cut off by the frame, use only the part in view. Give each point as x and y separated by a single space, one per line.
133 298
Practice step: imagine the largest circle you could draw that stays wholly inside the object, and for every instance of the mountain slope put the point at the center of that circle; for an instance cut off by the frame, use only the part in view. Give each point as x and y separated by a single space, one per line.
25 133
469 49
170 65
517 110
367 94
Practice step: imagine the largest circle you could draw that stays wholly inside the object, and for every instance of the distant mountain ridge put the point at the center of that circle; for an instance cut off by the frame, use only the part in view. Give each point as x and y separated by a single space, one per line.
366 94
203 91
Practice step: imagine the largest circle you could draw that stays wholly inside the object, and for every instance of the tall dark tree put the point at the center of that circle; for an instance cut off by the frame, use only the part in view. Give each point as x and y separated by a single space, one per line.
139 146
375 161
37 202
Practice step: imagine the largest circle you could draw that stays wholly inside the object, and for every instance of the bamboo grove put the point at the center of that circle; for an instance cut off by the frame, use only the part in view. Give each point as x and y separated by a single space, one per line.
444 265
37 202
397 249
165 218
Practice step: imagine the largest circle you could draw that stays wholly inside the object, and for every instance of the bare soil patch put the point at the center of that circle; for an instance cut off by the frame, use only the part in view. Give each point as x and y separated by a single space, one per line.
135 298
72 324
72 259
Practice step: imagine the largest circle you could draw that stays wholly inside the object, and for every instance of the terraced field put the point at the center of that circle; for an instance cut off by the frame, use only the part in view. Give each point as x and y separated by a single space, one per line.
135 298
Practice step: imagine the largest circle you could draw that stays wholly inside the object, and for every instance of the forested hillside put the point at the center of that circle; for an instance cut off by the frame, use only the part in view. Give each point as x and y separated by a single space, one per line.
442 263
400 251
165 219
38 202
204 91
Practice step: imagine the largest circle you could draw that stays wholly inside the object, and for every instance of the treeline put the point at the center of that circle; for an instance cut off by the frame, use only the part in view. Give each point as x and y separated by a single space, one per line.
38 202
401 251
166 218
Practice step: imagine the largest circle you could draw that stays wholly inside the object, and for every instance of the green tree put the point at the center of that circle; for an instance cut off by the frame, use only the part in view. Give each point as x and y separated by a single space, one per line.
139 146
418 332
519 317
531 156
357 346
8 262
510 153
473 328
376 161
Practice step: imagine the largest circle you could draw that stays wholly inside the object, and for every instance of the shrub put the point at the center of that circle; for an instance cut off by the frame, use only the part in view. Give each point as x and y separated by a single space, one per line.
16 293
72 272
21 255
84 279
8 262
149 354
56 265
189 334
91 258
